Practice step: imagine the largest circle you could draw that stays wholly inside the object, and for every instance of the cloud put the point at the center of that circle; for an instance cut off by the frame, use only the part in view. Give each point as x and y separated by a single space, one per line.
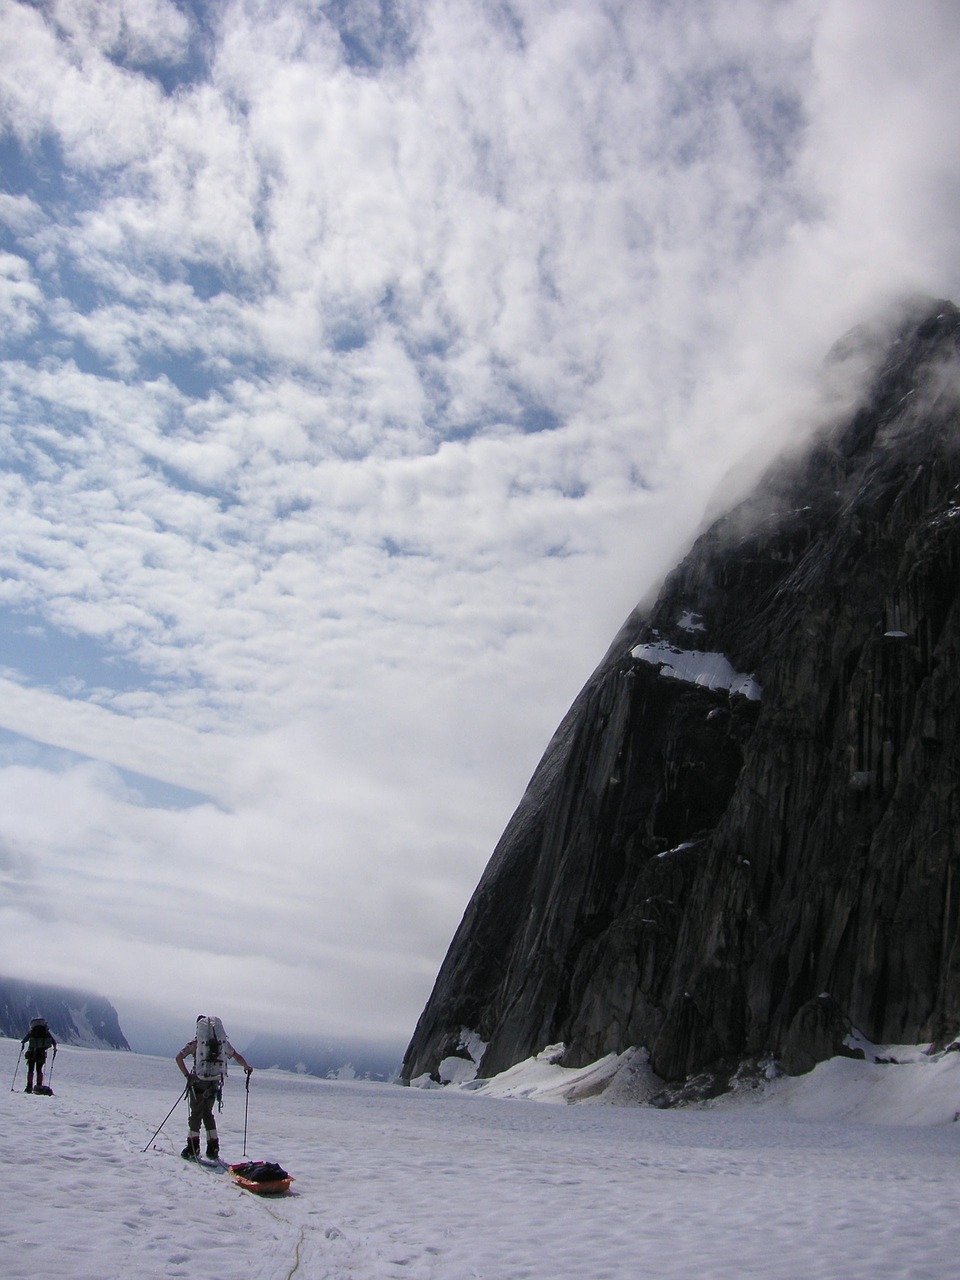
139 31
362 366
19 295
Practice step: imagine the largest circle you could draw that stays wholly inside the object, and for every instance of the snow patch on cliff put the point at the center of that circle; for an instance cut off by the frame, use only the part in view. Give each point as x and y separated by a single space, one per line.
457 1069
679 848
85 1035
709 670
691 622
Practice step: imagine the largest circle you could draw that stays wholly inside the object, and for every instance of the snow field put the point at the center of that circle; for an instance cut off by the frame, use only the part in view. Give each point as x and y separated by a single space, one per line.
812 1178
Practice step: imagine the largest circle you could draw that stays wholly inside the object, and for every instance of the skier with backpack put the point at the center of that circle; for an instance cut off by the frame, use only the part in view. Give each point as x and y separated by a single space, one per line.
37 1041
210 1050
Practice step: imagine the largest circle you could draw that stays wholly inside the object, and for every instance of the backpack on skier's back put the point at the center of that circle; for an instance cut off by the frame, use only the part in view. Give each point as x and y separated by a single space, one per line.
210 1062
39 1036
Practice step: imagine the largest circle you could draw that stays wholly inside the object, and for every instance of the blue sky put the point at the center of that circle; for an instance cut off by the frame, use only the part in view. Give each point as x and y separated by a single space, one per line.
363 364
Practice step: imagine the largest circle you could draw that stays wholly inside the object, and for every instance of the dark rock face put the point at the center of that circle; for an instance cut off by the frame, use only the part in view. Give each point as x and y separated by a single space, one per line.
820 1030
74 1017
692 864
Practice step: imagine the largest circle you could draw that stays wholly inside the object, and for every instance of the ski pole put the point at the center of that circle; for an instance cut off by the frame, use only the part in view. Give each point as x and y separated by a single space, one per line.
169 1113
52 1061
16 1068
246 1108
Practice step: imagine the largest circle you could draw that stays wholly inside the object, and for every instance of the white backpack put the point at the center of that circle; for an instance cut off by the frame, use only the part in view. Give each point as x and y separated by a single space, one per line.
210 1062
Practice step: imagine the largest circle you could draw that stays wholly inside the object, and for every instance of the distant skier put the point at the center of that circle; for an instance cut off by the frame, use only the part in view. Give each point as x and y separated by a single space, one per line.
37 1041
210 1050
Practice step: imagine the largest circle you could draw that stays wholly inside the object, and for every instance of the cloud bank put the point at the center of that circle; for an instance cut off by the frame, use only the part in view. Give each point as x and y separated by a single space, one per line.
362 365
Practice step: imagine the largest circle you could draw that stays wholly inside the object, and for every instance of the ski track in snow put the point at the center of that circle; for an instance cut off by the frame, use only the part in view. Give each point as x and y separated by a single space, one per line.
443 1185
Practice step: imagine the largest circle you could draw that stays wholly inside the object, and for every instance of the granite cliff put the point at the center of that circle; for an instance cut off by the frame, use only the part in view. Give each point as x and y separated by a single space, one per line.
745 834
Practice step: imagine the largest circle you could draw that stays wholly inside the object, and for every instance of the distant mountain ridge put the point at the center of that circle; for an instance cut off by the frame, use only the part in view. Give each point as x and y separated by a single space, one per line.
323 1056
744 837
75 1017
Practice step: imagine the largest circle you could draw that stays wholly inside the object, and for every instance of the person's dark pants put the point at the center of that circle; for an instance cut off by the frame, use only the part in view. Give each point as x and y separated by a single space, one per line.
203 1095
35 1060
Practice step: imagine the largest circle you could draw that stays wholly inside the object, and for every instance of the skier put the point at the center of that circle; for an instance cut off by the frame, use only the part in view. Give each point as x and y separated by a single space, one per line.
210 1050
37 1041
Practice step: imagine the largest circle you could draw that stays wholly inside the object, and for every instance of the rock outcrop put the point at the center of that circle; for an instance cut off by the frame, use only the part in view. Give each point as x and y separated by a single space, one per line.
74 1017
755 800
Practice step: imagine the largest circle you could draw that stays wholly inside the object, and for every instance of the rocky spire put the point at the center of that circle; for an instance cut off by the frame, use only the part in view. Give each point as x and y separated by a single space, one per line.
755 800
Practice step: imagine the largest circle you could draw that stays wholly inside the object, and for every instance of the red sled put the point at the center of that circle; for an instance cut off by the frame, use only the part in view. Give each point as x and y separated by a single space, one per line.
262 1178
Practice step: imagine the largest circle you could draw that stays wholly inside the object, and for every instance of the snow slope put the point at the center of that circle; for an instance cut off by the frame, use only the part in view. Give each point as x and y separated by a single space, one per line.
852 1171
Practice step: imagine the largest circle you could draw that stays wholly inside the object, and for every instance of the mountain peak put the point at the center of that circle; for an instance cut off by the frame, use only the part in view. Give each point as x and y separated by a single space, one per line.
754 801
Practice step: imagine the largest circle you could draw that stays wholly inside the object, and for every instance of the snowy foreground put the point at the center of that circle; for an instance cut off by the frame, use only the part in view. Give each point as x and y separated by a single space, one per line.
852 1171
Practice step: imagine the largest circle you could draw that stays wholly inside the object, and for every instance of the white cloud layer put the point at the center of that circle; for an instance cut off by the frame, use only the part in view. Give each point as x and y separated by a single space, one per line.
362 366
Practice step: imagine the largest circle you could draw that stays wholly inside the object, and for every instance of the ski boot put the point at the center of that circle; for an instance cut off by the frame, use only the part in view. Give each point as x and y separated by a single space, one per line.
192 1150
